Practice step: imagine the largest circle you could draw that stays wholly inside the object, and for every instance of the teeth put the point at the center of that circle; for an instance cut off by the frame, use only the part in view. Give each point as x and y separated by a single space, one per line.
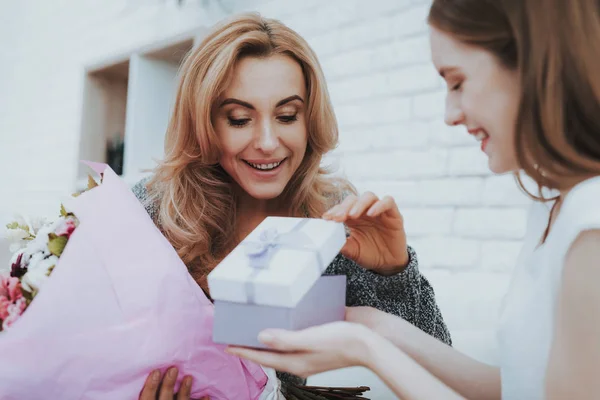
480 136
265 167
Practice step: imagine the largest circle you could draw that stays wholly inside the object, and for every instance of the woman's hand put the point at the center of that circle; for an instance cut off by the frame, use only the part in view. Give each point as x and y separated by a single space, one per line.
313 350
377 238
345 344
163 388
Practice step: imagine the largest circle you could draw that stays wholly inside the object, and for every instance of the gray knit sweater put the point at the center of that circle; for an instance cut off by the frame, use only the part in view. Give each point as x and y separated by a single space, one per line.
407 294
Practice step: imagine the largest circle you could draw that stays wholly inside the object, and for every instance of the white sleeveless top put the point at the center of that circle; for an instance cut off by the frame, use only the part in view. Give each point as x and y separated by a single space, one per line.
527 317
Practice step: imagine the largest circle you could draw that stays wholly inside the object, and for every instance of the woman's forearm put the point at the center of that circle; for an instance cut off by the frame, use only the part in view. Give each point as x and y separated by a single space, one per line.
405 377
469 377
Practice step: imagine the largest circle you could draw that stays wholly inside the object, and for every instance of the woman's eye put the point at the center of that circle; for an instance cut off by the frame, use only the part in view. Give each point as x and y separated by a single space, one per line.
238 122
456 87
288 118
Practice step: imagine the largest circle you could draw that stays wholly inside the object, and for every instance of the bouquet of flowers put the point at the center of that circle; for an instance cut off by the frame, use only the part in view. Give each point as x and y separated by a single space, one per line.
36 247
98 298
74 364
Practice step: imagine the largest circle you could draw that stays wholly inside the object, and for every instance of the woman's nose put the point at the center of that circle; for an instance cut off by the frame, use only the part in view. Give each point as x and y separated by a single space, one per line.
267 140
454 114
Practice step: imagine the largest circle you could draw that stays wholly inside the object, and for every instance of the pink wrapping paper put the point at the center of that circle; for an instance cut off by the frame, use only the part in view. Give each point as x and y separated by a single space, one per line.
119 304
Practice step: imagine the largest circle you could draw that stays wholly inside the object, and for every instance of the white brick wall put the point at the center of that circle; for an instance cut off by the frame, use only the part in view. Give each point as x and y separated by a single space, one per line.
465 224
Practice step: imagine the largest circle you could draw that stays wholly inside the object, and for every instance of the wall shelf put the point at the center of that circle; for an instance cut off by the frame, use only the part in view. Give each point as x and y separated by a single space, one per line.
127 104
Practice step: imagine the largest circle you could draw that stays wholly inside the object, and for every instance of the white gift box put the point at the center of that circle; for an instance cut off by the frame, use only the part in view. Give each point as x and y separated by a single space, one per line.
278 262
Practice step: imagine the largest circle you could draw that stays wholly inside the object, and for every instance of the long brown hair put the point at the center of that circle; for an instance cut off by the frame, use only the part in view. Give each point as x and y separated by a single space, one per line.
555 47
197 204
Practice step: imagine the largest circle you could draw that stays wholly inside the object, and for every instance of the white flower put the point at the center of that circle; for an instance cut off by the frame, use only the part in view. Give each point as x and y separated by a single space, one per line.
40 243
36 223
20 219
36 256
33 223
35 259
26 228
38 271
16 235
33 280
15 238
14 257
16 247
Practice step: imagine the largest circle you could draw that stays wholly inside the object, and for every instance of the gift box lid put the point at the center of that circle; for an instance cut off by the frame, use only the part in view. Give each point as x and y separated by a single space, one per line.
278 262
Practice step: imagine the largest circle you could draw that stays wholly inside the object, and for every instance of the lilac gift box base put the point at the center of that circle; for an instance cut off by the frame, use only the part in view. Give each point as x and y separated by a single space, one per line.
239 324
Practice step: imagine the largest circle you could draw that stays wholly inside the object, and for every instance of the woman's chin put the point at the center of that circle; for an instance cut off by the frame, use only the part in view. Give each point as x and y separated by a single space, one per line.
499 168
264 193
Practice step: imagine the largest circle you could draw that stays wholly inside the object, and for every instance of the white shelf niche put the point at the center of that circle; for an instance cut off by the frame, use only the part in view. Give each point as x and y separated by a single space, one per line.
131 100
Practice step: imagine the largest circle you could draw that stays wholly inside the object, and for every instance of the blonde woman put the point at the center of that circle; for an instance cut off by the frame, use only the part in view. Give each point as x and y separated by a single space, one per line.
251 123
523 79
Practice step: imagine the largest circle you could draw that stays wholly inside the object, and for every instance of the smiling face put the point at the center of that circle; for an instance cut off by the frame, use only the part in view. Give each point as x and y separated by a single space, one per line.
483 96
260 121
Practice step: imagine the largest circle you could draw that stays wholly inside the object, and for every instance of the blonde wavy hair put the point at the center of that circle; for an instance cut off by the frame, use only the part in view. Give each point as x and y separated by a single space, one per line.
195 196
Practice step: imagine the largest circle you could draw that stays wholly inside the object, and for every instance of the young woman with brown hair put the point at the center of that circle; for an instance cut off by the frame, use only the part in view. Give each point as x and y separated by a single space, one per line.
523 77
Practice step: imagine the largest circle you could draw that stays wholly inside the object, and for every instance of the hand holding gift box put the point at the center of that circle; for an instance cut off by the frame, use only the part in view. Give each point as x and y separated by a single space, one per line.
118 304
273 280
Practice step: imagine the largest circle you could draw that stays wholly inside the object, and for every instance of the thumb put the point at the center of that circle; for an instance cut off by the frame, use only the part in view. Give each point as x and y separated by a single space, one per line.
351 249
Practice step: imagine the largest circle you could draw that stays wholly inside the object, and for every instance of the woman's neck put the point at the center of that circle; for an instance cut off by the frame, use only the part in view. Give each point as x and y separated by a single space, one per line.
250 212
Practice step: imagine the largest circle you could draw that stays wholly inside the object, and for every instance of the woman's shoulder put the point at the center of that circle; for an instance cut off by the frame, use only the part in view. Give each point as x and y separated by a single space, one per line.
140 189
584 198
581 208
141 192
579 212
338 190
